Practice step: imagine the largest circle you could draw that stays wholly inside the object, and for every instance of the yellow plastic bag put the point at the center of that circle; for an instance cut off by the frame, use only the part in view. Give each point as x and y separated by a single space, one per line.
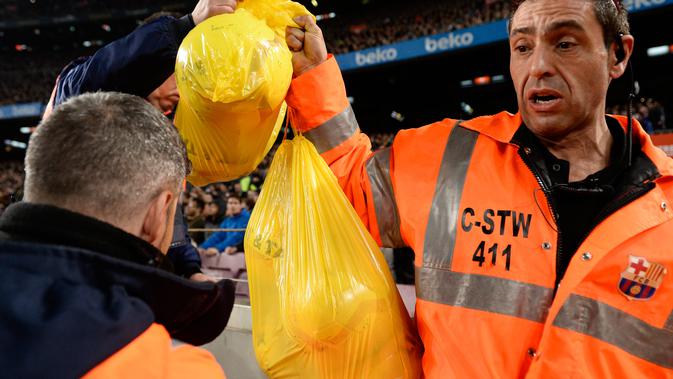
233 72
324 304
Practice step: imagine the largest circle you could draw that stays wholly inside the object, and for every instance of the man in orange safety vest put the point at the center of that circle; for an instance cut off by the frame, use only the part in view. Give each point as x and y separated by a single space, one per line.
540 237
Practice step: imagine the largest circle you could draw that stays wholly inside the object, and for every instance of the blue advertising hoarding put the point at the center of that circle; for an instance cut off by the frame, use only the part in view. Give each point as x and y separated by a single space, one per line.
445 42
21 110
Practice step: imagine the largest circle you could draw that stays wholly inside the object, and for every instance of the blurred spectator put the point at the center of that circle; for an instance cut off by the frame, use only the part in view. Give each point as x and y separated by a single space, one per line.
214 212
11 181
195 219
657 114
225 242
251 200
643 116
649 112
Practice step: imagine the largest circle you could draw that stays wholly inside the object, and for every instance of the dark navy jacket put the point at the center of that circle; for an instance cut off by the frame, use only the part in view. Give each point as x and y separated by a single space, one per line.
136 64
74 290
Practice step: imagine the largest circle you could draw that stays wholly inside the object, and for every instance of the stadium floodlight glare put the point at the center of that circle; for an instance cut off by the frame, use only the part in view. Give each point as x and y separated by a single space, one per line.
466 108
397 116
466 83
482 80
325 16
498 78
658 51
26 130
17 144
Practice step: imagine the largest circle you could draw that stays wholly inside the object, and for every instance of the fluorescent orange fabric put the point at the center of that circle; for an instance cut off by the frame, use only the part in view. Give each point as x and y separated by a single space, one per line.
328 107
152 355
489 310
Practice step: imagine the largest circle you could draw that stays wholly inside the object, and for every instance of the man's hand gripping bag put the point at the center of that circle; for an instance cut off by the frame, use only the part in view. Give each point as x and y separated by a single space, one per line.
233 72
324 304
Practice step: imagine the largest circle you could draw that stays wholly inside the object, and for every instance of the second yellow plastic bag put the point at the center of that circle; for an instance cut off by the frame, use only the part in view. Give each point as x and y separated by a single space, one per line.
324 304
233 72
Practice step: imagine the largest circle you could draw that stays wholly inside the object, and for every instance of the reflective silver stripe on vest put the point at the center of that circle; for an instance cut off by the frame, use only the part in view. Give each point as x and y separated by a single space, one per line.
334 132
387 215
669 323
435 282
484 293
440 236
618 328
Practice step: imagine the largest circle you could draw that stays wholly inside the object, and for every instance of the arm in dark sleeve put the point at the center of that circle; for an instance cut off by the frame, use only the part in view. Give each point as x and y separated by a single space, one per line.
186 260
136 64
184 256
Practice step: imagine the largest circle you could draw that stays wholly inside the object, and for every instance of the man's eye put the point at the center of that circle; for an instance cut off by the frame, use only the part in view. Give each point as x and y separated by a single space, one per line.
565 45
521 49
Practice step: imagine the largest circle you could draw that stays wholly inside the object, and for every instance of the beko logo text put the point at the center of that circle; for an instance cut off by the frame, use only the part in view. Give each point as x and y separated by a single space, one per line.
449 42
377 56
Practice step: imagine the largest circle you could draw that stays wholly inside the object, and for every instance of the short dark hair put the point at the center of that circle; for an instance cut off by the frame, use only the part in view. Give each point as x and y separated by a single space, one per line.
611 14
96 147
200 204
235 196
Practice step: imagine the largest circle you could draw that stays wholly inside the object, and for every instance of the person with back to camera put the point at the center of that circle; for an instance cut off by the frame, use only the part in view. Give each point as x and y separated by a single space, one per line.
84 292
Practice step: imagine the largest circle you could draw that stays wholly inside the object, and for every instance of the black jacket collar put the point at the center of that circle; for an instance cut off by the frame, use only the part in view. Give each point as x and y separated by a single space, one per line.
56 226
642 170
192 312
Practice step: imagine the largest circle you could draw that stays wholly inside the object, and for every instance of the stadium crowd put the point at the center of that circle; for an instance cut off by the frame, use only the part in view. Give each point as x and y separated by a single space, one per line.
28 76
649 112
21 10
400 22
11 181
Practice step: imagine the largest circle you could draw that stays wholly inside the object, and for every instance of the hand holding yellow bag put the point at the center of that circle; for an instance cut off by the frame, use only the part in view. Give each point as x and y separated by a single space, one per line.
233 72
324 304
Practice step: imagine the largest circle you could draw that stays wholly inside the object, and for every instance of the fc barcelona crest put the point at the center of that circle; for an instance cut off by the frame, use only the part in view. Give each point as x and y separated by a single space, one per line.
641 279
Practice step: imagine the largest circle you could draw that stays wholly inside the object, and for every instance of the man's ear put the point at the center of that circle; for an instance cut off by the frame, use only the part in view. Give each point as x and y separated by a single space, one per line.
620 55
158 221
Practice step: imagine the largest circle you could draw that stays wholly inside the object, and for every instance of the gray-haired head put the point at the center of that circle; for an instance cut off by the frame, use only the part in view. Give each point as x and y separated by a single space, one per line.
104 154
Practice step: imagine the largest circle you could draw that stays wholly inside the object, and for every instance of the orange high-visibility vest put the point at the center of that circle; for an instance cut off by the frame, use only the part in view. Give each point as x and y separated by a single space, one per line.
154 355
464 198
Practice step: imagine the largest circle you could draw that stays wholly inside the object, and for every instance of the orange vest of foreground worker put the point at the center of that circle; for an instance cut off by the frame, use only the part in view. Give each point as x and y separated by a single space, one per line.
475 214
153 355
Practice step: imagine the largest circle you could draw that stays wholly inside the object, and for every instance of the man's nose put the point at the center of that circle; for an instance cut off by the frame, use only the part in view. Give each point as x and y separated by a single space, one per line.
542 63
